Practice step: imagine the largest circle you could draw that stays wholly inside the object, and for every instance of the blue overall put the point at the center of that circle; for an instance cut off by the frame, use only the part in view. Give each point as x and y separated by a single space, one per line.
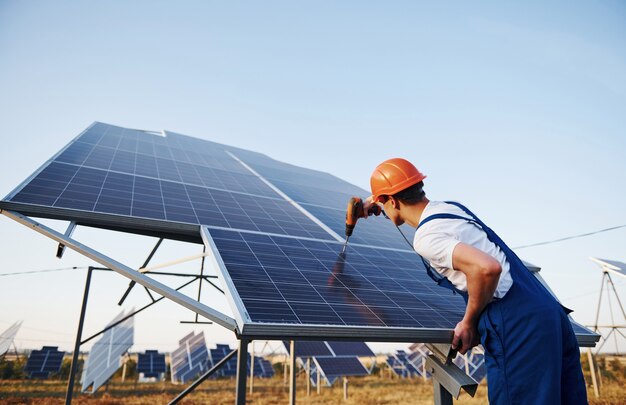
531 352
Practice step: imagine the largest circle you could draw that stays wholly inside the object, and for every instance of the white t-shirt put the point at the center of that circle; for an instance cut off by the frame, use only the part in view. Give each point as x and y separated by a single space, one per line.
435 241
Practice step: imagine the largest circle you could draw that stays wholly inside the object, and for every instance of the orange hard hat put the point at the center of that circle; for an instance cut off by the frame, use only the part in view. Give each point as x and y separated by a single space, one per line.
392 176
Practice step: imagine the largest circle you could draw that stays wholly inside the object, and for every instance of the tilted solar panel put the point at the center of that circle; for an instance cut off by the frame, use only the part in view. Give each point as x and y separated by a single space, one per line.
43 362
309 348
340 366
190 359
306 282
230 368
360 349
6 338
106 354
275 230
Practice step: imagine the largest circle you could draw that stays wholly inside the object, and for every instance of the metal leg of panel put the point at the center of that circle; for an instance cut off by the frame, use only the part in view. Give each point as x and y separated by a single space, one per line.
242 372
345 388
126 271
319 381
251 367
292 373
442 396
592 369
79 334
308 377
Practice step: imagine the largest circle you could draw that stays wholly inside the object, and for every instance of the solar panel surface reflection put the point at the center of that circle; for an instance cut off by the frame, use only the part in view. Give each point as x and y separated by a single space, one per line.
299 281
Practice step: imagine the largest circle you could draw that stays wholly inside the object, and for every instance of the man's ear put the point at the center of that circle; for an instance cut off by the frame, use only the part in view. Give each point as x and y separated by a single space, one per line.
394 203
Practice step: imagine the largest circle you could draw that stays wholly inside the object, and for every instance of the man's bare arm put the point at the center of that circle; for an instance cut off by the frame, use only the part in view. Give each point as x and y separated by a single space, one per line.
482 272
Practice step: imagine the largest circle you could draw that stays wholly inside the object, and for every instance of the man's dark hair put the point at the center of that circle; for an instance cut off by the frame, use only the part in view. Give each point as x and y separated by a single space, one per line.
411 195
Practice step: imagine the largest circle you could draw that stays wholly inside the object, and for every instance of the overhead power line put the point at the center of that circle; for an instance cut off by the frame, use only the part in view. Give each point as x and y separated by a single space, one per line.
570 237
19 273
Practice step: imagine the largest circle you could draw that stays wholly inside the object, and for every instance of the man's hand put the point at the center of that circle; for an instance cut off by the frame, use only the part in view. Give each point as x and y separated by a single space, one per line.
465 337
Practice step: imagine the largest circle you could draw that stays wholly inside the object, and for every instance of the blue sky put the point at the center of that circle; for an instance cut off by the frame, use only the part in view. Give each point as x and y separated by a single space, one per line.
516 109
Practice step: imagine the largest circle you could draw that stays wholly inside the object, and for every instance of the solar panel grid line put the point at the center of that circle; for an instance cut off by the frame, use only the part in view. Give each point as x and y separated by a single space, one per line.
286 197
46 163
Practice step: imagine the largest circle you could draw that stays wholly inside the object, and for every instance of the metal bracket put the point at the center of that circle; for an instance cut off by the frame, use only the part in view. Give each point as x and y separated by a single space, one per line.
443 351
450 377
126 271
68 233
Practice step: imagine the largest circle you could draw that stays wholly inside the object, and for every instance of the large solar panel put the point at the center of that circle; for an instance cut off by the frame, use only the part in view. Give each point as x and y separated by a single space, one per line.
106 354
151 364
190 359
276 230
6 338
43 362
307 282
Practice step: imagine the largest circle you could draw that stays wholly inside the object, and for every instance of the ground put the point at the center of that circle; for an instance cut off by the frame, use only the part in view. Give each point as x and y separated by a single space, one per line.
376 389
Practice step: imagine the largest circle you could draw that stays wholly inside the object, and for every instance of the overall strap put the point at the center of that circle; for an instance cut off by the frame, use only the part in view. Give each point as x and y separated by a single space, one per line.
443 216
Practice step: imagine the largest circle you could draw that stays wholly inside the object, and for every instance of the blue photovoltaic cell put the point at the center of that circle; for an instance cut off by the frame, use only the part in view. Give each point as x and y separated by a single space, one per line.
151 363
190 359
43 362
474 361
333 367
298 281
179 179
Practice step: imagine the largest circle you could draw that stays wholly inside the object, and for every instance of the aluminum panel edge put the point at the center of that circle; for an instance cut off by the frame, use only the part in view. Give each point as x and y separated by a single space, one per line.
235 302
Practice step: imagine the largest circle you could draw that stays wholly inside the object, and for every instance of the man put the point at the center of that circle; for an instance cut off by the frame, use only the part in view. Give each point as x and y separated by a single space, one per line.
531 352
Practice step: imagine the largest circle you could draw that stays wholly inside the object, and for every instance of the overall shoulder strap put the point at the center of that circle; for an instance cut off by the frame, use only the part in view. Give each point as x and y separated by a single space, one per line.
442 216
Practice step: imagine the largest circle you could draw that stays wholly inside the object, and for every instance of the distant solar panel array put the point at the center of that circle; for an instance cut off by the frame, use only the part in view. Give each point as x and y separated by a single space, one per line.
334 359
106 354
41 363
275 230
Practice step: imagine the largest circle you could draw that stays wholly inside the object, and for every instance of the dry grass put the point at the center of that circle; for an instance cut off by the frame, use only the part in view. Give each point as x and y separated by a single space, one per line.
368 390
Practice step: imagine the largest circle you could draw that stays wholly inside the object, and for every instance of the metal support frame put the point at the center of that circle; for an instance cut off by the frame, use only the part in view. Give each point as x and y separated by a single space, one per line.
145 263
292 373
79 333
126 271
79 341
203 377
68 233
242 372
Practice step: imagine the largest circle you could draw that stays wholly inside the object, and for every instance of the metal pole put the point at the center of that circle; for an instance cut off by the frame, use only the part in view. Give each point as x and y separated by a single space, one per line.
292 373
345 388
79 333
592 368
308 377
242 372
252 368
200 284
442 396
319 381
599 302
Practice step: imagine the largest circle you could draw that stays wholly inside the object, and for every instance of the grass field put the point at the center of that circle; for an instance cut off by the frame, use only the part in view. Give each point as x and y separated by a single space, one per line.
367 390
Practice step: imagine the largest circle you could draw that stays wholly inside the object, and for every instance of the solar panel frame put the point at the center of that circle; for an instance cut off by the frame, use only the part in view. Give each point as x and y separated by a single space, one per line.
100 152
271 330
613 266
